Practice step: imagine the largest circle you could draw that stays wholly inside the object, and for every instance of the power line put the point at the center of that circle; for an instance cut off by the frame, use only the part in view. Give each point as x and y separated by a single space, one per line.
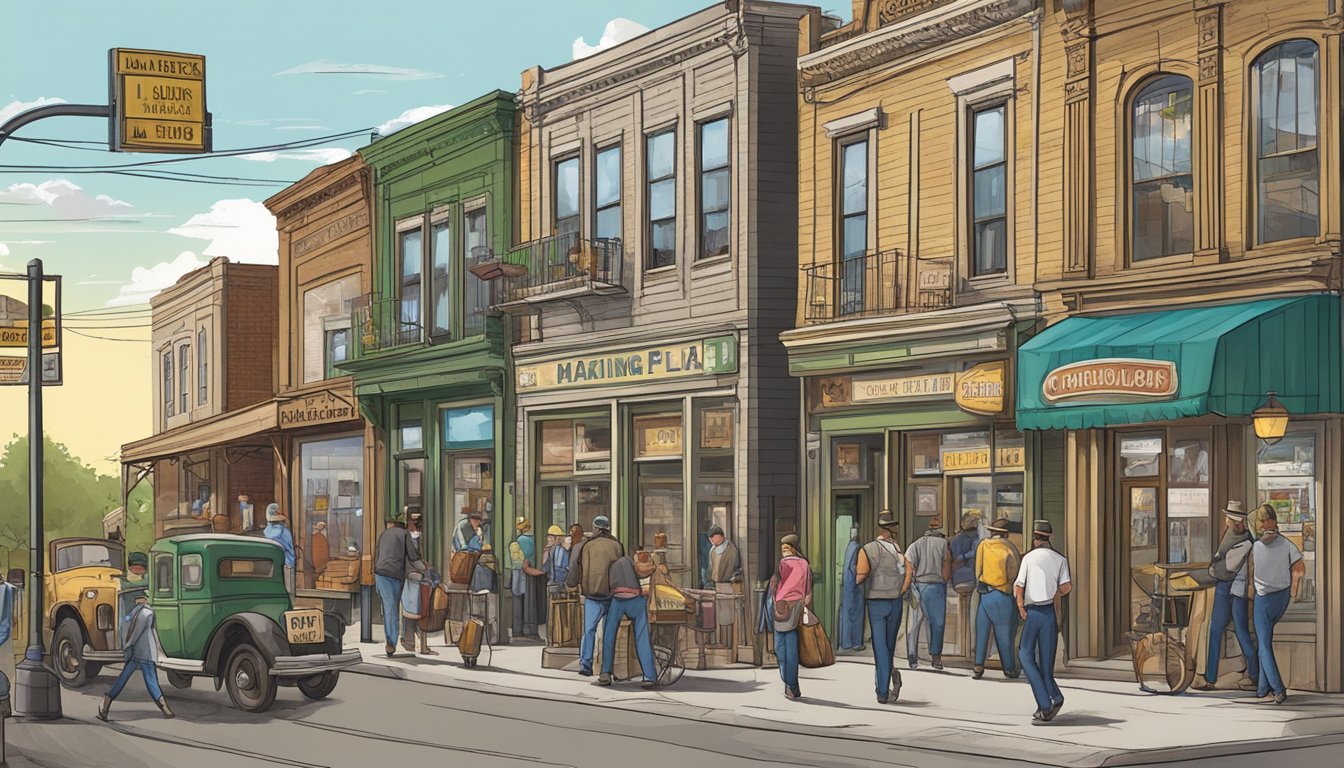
106 311
108 338
301 144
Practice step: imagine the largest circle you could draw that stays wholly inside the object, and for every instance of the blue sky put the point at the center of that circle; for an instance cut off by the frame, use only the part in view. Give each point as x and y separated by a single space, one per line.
268 82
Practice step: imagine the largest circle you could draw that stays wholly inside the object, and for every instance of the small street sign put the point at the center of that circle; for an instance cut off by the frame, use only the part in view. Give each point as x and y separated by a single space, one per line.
14 370
16 335
158 102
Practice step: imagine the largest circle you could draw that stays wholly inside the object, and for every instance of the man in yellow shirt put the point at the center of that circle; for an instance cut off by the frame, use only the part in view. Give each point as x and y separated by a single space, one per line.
996 561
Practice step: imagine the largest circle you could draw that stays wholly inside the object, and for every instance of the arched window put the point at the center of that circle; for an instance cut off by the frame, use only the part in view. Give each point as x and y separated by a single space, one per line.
1288 165
1163 221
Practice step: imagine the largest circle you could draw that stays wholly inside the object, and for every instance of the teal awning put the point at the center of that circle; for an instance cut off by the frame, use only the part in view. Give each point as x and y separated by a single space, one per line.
1226 358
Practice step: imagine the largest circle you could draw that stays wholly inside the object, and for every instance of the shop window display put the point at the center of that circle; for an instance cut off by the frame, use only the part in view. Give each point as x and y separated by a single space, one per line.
574 468
332 476
1286 479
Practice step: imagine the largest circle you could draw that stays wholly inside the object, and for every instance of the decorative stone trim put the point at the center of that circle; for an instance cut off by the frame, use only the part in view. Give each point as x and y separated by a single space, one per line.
871 118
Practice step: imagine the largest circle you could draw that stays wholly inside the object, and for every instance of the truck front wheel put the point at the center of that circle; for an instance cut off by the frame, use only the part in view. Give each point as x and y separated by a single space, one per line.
67 655
319 687
248 677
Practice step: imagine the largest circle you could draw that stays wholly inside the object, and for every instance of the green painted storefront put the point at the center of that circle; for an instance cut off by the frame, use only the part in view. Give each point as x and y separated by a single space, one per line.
431 364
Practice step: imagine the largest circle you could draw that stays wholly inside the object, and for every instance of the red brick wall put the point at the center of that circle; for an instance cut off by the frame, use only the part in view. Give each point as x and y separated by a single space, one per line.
255 476
250 318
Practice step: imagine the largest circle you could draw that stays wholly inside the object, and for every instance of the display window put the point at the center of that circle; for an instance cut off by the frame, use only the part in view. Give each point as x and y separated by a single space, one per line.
1287 479
574 470
331 478
715 423
979 473
468 471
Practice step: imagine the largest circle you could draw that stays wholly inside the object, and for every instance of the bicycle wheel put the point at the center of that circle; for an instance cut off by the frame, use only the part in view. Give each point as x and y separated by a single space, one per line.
668 661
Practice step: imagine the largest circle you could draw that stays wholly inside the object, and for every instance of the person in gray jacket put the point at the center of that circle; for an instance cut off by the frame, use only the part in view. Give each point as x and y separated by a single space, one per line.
397 556
141 647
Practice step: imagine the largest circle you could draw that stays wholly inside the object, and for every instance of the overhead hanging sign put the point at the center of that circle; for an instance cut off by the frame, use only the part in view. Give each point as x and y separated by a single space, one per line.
158 102
980 388
16 335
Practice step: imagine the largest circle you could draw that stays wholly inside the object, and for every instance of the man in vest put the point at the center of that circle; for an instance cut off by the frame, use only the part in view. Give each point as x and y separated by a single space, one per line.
1042 581
1230 601
996 562
590 567
881 569
930 569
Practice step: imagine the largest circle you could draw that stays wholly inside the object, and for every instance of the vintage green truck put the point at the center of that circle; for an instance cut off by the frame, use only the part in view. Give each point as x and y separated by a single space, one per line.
222 612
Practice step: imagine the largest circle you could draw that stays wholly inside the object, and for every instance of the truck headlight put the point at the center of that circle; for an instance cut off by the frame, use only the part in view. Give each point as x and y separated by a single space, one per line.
90 595
104 617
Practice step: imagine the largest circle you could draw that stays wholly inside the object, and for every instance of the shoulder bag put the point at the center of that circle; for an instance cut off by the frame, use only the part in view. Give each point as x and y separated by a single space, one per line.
814 647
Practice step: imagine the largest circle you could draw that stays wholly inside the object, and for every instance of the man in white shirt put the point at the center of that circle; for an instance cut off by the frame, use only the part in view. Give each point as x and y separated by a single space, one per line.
1277 568
1042 581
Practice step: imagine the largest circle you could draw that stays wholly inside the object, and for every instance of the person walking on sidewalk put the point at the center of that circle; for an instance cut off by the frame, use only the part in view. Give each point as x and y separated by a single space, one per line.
413 606
277 531
396 557
1042 581
790 592
930 560
1230 601
555 561
883 571
590 570
627 601
1277 569
140 646
996 562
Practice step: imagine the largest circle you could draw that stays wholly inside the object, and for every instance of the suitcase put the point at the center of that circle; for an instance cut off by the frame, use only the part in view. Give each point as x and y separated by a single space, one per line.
461 566
469 642
433 608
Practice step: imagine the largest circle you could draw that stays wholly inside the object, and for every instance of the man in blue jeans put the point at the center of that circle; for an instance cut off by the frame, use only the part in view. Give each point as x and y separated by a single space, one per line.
397 555
1230 601
1042 581
627 600
1277 566
140 645
590 570
883 572
930 568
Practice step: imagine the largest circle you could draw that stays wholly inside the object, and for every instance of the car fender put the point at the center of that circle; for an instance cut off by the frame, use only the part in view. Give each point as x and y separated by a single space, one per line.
260 630
333 629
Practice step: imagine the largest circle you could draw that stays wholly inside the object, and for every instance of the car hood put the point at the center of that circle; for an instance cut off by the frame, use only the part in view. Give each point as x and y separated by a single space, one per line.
93 573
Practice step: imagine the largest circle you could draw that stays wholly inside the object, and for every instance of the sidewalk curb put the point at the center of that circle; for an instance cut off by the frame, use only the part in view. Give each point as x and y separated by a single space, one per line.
991 744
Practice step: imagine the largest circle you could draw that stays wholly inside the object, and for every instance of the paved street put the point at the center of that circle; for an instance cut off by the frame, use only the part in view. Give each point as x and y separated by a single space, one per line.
374 720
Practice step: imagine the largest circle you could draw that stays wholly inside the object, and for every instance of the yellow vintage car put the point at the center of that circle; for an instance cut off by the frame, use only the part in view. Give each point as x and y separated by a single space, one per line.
80 585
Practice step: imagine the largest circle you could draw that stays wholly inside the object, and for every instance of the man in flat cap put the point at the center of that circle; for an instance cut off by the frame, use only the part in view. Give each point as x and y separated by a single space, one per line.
590 569
1042 581
882 570
1231 604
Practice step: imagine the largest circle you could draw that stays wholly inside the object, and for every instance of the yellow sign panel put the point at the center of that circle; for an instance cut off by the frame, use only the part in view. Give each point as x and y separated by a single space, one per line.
864 390
664 361
960 461
980 388
159 98
17 336
657 436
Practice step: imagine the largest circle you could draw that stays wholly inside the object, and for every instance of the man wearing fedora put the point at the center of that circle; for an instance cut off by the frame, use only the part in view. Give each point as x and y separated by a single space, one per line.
996 562
1042 581
882 571
1230 601
277 531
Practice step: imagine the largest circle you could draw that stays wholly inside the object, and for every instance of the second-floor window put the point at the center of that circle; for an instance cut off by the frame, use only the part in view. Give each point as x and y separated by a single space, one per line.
1287 168
168 391
184 360
567 196
1163 183
476 226
989 191
202 372
661 175
410 254
853 200
441 252
715 188
607 200
336 349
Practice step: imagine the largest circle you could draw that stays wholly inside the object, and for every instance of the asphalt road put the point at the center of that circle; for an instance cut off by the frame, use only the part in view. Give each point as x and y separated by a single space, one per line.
375 722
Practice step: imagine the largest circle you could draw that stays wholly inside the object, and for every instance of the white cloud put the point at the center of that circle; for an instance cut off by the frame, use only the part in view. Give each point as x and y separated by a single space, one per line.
63 199
617 31
15 107
302 128
380 71
411 117
368 91
4 249
94 279
240 229
323 155
148 281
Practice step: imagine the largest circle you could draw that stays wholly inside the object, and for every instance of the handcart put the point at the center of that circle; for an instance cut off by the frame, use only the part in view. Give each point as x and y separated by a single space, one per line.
1163 653
671 610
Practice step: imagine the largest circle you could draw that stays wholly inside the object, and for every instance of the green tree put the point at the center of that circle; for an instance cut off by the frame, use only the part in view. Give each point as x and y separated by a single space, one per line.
140 517
76 497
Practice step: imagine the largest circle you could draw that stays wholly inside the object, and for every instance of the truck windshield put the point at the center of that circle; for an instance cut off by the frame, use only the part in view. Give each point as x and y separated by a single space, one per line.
81 555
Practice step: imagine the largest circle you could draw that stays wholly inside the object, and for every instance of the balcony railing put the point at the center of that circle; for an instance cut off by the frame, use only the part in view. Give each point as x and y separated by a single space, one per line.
557 267
874 284
381 324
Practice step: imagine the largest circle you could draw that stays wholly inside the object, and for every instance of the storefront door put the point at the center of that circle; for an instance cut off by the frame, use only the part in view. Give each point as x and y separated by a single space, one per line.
854 516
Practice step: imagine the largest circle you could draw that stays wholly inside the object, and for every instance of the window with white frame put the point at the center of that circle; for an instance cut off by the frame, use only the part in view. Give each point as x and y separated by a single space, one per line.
567 219
410 253
168 391
660 171
202 368
989 190
607 200
184 360
715 188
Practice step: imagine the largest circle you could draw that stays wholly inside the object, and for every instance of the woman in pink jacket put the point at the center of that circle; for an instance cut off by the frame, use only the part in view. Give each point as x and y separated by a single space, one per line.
790 592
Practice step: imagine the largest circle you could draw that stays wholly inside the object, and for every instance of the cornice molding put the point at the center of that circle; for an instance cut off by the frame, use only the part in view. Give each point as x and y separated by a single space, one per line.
290 213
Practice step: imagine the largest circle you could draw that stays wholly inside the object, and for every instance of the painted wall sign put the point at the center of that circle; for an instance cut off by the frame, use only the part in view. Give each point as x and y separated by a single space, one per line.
980 388
321 408
665 361
867 390
333 231
1118 379
960 461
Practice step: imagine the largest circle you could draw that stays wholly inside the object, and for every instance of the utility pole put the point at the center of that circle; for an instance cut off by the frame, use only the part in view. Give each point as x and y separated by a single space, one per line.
38 692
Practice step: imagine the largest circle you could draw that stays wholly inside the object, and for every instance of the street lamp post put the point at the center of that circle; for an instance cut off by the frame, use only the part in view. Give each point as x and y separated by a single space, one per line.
38 692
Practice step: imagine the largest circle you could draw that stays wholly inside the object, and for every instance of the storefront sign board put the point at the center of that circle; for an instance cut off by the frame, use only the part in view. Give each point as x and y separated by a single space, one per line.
716 428
657 436
960 461
1117 379
980 388
663 361
877 389
16 335
321 408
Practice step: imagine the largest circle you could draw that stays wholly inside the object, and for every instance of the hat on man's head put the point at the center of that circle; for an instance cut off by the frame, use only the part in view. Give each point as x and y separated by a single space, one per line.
320 527
273 513
523 525
887 520
935 523
475 514
1042 528
555 530
1235 510
790 539
998 526
969 522
715 531
602 523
